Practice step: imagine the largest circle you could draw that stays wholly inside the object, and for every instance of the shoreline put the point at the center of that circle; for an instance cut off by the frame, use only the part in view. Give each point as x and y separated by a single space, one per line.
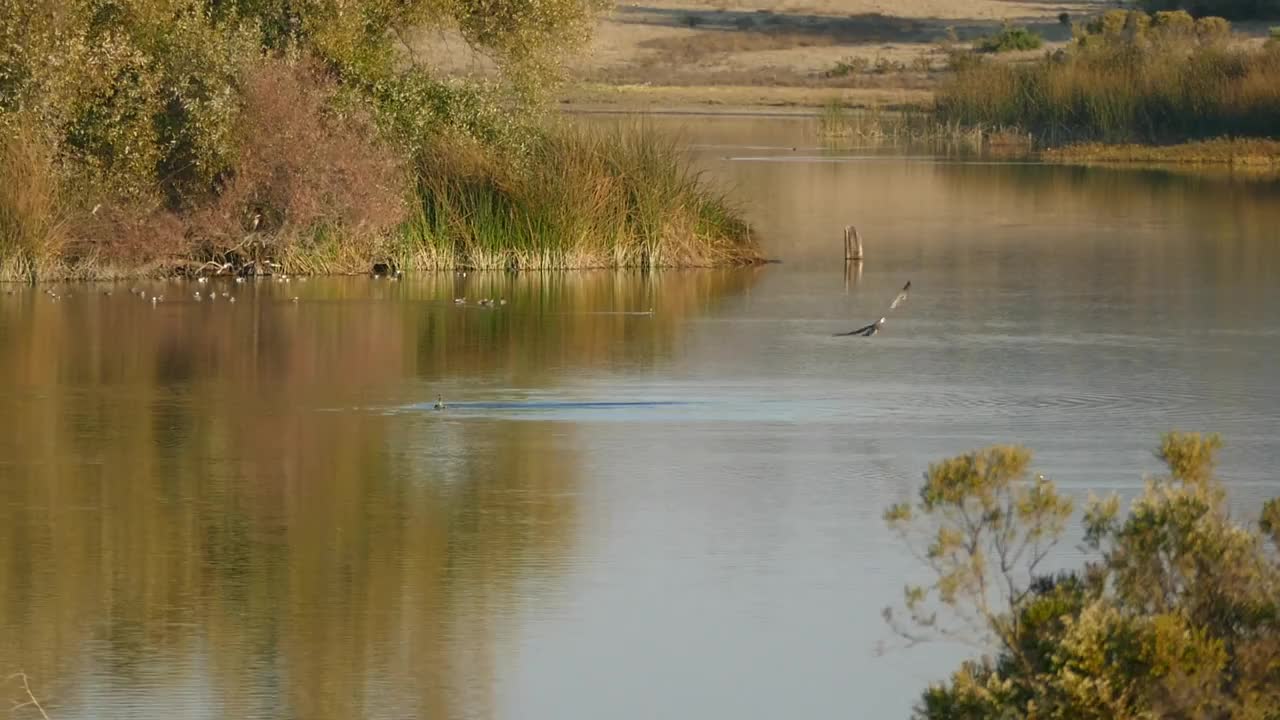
1243 153
734 99
1245 158
1249 154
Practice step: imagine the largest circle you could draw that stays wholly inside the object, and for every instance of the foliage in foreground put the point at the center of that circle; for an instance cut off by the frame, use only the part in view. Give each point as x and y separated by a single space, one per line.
1127 77
178 135
1177 614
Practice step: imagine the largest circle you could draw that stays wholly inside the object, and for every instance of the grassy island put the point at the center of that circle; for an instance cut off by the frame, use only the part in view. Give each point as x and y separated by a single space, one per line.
1132 86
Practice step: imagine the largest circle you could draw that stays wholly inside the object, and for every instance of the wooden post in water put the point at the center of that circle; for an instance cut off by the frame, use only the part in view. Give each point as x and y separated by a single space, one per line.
852 244
852 255
852 272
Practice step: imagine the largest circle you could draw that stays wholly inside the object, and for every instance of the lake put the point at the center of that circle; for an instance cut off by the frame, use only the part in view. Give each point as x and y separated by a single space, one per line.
650 495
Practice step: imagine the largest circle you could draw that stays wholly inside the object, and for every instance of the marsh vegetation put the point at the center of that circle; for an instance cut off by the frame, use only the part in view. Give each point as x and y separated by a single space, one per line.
185 136
1127 77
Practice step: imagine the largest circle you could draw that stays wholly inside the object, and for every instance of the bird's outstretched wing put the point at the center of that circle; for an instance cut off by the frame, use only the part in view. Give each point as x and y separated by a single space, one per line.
873 328
864 331
902 296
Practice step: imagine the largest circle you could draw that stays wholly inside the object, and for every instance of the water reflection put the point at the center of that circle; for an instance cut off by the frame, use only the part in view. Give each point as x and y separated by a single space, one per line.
184 516
250 509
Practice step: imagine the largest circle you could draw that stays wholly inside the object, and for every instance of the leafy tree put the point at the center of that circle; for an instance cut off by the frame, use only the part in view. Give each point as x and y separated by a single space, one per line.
144 97
1177 614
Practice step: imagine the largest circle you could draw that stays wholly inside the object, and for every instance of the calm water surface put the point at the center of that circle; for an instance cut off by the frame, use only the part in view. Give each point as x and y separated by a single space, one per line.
251 510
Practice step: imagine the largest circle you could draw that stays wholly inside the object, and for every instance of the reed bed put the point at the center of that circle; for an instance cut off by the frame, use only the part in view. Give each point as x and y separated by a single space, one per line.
579 198
1242 153
573 198
1130 78
838 124
31 224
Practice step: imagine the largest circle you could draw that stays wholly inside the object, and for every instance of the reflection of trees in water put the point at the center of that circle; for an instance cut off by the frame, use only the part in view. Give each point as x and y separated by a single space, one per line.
1096 230
1112 234
320 568
267 348
173 493
559 320
1199 210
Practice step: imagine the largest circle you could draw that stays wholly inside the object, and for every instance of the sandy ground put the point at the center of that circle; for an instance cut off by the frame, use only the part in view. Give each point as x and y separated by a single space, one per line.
781 53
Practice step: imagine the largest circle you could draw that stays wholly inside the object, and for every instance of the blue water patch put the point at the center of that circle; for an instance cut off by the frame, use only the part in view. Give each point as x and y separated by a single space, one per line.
551 404
719 410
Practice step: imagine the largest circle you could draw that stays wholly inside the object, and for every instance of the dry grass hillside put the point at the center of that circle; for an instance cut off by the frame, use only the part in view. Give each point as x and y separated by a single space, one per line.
785 52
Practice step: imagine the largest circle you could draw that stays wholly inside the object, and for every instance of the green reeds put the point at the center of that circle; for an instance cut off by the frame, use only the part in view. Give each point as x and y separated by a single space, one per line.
1144 88
578 198
836 124
573 198
1009 39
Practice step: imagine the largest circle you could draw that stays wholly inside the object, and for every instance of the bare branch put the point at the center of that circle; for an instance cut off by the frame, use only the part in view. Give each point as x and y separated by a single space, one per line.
31 697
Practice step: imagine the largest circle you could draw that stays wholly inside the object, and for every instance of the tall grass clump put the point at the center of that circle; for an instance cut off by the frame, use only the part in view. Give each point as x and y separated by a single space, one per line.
1128 77
908 128
834 120
578 198
31 227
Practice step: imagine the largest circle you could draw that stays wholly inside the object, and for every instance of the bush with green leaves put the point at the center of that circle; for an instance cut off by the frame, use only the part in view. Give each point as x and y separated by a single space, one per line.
1176 614
851 65
143 95
1009 39
1230 9
139 97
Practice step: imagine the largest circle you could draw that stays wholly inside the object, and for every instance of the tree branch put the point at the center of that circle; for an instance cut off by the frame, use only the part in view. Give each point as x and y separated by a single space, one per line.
31 697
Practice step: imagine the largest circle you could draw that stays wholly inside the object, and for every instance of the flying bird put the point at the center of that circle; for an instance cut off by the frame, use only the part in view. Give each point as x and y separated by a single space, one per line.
873 328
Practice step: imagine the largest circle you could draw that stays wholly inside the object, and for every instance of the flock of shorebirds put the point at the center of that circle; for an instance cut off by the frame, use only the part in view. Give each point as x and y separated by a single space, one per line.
212 295
483 302
155 298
